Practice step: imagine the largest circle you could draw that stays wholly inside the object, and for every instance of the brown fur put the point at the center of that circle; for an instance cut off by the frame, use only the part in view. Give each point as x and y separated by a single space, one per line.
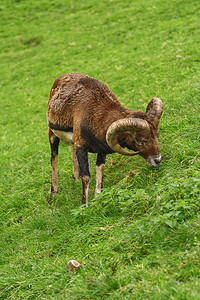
75 98
88 107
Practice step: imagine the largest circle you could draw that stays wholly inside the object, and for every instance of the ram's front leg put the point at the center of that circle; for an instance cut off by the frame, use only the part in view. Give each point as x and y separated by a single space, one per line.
100 166
82 157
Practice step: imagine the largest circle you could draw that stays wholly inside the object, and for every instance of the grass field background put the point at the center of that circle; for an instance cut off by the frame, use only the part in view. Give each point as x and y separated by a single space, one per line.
139 239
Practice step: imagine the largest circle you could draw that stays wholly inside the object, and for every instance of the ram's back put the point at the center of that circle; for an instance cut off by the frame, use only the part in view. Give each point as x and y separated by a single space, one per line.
76 94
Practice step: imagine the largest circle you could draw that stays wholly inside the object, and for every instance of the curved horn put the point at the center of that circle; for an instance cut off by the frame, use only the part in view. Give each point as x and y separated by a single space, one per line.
125 125
154 111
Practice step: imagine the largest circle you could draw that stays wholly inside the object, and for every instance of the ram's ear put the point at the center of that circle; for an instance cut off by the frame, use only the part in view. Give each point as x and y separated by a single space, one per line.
154 111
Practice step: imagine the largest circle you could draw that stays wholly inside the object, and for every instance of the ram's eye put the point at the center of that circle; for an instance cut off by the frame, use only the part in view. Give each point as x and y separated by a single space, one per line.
140 143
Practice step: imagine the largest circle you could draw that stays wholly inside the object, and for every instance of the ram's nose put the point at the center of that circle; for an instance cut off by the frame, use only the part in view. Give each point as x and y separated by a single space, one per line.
158 159
154 161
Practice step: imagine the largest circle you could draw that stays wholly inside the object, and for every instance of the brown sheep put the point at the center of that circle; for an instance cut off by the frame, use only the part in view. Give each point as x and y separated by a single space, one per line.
84 113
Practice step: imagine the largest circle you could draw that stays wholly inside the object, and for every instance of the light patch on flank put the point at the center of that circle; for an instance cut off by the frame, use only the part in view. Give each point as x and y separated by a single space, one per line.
66 137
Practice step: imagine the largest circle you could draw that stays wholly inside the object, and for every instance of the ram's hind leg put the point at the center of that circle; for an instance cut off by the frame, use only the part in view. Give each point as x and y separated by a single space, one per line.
76 171
100 166
54 143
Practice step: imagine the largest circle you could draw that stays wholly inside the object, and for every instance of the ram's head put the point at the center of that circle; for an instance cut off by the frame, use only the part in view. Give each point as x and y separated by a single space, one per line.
140 135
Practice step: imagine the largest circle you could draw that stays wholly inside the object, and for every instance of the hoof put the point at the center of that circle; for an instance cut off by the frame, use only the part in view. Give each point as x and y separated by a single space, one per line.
51 196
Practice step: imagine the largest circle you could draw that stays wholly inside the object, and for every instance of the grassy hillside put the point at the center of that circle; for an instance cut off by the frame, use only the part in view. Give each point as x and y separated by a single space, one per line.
139 239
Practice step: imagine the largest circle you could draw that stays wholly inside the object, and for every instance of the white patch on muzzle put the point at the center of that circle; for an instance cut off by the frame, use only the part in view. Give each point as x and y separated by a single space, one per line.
154 160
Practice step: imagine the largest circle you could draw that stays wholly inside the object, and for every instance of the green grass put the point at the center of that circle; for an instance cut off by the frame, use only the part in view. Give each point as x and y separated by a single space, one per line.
139 239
